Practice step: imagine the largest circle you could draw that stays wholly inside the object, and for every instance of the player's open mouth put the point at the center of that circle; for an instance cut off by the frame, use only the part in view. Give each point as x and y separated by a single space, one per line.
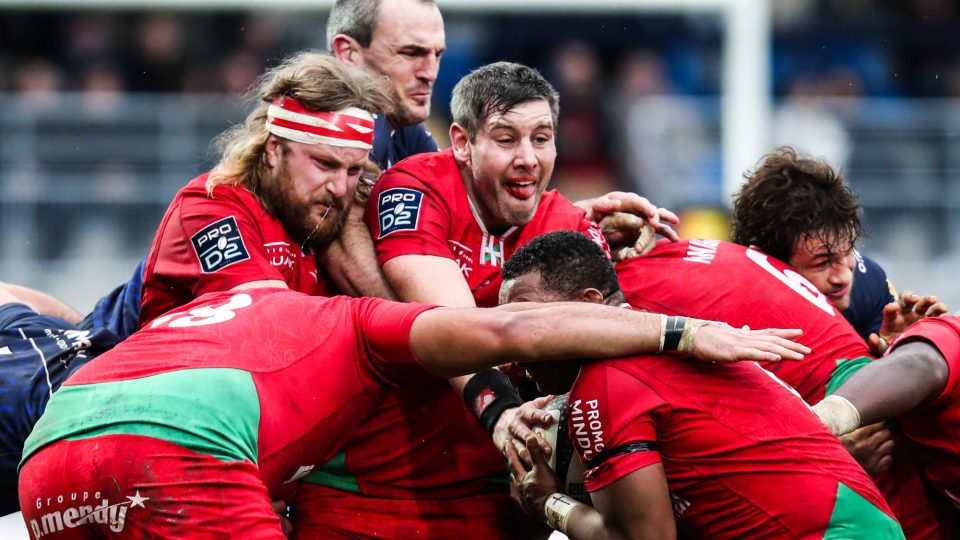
522 190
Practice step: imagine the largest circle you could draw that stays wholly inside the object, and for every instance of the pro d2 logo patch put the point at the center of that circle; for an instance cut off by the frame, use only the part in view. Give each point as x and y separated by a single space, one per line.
399 210
218 245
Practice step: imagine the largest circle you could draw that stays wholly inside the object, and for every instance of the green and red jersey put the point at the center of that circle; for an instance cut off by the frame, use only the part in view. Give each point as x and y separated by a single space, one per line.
744 457
269 376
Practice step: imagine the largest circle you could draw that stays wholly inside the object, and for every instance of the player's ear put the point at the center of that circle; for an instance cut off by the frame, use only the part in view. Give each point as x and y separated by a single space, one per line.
346 49
272 151
460 141
592 296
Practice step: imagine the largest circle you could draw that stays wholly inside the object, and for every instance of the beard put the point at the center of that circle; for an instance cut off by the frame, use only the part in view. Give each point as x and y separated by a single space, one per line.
309 231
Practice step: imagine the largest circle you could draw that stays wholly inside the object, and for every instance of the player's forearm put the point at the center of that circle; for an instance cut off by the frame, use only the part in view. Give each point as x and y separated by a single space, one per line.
882 390
580 330
351 262
455 341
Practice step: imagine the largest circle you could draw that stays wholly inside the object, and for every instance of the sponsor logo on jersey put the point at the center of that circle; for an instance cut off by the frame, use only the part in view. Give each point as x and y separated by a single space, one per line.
398 210
218 245
113 516
280 254
587 429
491 250
463 255
861 265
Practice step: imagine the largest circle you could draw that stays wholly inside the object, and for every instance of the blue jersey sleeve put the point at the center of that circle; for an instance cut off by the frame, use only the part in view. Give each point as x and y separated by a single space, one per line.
119 310
871 291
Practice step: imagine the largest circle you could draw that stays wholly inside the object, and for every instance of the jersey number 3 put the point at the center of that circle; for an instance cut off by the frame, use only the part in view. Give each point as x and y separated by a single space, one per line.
205 315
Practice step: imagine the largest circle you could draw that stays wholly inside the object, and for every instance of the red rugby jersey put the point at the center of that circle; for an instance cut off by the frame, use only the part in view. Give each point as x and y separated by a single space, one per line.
214 243
424 442
318 366
743 455
420 207
935 427
722 281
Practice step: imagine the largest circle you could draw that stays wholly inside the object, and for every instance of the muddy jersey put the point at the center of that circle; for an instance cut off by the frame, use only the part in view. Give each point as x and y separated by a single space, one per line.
215 242
934 427
420 207
267 376
744 457
710 279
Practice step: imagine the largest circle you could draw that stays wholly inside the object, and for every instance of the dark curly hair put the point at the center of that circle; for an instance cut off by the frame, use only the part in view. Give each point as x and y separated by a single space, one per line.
790 197
568 263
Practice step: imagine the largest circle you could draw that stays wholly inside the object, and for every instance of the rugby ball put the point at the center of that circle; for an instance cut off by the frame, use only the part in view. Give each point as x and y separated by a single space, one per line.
564 460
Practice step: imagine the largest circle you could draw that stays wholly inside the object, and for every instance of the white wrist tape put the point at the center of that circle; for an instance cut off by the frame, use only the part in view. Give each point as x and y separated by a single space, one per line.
557 510
690 331
663 331
838 414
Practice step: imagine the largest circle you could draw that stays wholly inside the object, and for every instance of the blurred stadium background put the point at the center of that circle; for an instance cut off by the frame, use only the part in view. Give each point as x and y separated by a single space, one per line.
108 108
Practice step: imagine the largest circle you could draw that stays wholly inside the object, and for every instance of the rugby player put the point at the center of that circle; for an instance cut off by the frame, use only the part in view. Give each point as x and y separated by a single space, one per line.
915 383
716 451
190 426
282 191
443 224
799 210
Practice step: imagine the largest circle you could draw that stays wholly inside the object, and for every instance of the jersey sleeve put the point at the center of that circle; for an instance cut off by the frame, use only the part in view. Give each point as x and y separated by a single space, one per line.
219 242
385 341
407 217
944 334
612 421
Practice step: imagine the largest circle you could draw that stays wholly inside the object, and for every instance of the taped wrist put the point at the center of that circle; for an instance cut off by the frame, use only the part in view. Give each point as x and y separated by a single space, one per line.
689 332
488 394
838 414
557 511
671 332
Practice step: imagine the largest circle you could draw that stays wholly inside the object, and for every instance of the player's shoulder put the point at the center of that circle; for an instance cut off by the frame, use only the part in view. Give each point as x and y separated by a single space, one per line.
637 368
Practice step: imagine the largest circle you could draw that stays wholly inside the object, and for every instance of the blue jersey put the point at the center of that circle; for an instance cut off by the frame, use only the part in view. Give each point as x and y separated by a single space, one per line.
37 353
119 310
871 291
390 146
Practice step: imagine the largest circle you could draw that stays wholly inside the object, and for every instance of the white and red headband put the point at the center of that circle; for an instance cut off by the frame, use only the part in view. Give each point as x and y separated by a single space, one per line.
350 127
